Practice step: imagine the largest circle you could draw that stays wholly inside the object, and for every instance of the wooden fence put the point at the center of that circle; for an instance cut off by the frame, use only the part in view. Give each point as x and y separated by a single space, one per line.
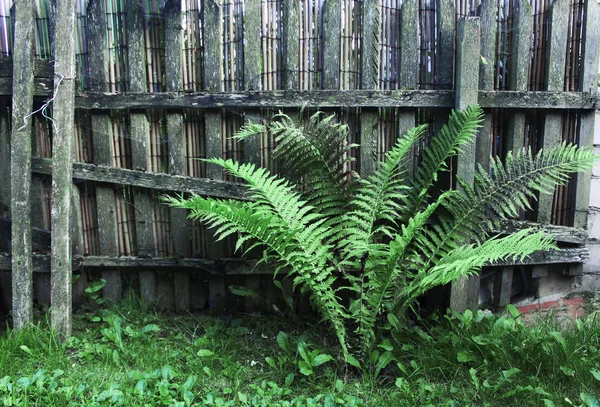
158 84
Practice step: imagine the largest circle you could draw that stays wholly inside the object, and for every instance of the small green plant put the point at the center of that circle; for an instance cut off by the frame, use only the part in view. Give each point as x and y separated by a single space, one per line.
299 354
383 240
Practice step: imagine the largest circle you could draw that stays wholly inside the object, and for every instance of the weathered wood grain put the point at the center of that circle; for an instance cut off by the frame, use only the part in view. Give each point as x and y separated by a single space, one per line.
519 71
291 44
589 83
332 21
63 142
139 130
236 266
503 287
464 293
555 77
180 230
103 145
334 98
157 181
4 161
487 64
22 103
371 32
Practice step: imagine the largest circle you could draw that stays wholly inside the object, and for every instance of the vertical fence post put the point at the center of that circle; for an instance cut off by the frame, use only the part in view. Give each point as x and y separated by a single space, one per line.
4 161
588 83
140 146
465 291
213 75
487 63
409 65
252 82
332 27
291 44
519 71
102 136
371 32
555 79
22 103
62 166
177 147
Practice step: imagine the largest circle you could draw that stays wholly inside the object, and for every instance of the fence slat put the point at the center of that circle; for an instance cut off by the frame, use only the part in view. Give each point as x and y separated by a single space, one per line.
140 146
519 71
332 27
408 76
555 76
62 152
177 146
489 9
371 33
22 102
103 147
213 76
291 44
465 291
589 83
253 81
4 160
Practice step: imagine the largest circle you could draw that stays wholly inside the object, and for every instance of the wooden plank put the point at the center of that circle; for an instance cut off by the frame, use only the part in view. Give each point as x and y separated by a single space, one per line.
332 23
589 83
465 291
503 287
519 71
409 65
236 266
22 101
4 161
487 63
562 234
62 152
140 147
41 87
252 71
334 98
103 146
371 31
291 44
42 68
156 181
177 146
213 75
253 81
555 72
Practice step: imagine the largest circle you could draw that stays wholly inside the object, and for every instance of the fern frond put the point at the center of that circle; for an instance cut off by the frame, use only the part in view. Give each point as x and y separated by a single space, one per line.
469 259
376 199
475 213
460 131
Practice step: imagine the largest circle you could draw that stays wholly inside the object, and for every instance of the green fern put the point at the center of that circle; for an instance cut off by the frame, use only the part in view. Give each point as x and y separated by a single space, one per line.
383 239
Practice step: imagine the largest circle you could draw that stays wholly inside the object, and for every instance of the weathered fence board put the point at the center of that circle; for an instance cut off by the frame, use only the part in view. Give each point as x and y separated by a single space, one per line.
334 98
62 152
464 292
103 147
22 104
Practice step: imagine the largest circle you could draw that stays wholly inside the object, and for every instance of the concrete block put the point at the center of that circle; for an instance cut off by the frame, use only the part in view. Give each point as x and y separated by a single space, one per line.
555 282
592 266
594 223
590 282
597 128
596 169
595 192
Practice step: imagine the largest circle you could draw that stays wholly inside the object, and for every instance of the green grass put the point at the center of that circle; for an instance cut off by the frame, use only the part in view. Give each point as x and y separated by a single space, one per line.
133 357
